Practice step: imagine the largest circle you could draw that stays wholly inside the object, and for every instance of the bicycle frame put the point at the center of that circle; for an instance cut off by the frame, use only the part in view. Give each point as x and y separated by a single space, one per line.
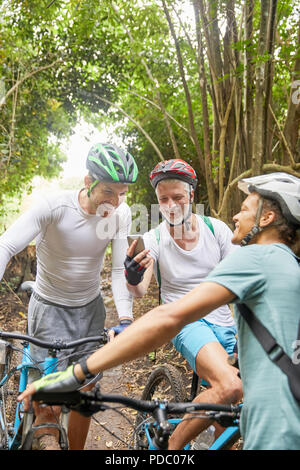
48 366
173 421
228 437
22 429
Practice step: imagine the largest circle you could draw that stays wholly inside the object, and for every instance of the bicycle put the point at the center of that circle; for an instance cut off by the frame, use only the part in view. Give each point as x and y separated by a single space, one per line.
166 382
19 435
160 427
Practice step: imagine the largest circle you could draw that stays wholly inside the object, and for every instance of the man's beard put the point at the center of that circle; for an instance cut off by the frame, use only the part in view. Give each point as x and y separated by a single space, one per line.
105 209
175 216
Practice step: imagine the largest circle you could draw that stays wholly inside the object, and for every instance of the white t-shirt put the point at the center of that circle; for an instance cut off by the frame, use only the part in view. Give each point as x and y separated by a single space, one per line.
183 270
70 247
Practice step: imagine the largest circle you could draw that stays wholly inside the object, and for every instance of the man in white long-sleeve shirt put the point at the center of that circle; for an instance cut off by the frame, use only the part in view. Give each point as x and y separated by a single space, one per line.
72 231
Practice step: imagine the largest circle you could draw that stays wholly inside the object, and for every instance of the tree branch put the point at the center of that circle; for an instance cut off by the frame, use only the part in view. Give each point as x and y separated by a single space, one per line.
222 142
148 71
136 124
168 114
283 137
27 76
267 168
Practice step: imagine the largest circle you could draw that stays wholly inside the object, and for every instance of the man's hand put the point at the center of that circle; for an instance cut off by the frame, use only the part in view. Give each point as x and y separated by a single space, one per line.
135 267
64 381
115 330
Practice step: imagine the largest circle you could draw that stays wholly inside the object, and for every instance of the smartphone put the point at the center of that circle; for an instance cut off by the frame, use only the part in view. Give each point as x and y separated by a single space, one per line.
140 243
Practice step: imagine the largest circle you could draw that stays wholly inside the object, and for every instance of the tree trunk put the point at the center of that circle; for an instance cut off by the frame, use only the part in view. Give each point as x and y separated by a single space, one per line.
205 113
259 109
267 138
186 91
249 82
292 123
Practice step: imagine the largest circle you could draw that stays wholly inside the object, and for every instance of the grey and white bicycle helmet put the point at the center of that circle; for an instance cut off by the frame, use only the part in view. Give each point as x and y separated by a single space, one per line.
282 187
110 163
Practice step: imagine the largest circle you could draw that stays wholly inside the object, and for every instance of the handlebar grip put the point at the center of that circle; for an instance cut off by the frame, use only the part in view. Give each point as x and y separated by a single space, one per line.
56 398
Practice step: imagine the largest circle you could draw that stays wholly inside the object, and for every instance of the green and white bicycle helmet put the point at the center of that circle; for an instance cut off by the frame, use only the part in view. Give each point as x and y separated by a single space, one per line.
109 163
283 188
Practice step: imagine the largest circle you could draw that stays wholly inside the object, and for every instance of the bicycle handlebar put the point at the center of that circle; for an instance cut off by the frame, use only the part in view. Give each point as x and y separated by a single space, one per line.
56 344
89 403
83 400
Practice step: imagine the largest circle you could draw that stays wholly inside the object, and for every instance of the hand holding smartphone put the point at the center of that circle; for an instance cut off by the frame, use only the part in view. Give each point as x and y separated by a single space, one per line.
140 243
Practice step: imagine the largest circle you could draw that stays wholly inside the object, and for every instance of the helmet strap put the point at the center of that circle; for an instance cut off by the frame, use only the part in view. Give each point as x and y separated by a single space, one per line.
256 228
94 183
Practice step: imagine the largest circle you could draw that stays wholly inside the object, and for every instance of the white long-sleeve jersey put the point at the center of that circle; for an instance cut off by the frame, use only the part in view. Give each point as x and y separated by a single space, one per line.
70 248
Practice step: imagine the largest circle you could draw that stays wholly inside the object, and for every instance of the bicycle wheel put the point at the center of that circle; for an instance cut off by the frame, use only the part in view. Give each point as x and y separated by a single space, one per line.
164 383
5 365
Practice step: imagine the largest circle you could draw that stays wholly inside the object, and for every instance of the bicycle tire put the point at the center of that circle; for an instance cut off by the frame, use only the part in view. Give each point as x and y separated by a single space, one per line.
10 389
165 382
5 365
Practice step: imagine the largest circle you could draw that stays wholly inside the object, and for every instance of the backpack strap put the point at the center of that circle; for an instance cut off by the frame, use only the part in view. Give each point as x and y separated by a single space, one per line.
157 236
208 223
274 351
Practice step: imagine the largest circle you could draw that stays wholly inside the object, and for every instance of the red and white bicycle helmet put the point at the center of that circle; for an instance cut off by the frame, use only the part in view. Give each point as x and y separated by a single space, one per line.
177 169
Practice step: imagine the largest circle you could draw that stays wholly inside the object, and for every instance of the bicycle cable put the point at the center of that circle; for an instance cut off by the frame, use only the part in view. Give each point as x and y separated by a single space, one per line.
108 430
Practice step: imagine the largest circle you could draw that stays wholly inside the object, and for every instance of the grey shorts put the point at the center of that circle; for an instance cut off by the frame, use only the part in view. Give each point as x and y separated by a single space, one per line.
48 321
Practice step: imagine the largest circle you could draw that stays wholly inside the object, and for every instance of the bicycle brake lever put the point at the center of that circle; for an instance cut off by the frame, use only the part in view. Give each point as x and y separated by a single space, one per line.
87 406
226 419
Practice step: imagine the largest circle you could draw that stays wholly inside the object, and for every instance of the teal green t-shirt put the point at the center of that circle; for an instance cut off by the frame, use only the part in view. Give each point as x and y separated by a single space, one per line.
267 279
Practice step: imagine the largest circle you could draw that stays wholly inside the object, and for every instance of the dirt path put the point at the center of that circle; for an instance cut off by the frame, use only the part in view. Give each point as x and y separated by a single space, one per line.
112 382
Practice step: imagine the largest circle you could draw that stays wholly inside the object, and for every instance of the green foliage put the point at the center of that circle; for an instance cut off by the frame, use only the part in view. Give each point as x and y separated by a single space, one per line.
72 58
41 63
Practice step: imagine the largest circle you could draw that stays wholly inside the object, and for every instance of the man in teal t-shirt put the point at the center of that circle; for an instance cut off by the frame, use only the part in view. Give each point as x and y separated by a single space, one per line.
265 276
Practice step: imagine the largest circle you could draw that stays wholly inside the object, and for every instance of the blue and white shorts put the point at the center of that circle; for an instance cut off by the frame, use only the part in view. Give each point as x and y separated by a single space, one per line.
195 335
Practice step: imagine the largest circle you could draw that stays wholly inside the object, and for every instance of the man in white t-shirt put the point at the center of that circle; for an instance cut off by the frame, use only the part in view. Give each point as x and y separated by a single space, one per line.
72 231
182 251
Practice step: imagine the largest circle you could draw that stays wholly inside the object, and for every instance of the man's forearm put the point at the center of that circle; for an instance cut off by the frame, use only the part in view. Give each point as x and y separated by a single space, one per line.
4 260
142 336
140 289
122 297
137 291
158 326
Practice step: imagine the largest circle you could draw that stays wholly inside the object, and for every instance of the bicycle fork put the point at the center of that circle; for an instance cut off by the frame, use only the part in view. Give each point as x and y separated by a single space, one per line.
23 419
23 425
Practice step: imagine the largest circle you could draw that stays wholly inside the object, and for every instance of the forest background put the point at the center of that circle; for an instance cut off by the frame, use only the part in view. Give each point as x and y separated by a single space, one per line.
214 82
